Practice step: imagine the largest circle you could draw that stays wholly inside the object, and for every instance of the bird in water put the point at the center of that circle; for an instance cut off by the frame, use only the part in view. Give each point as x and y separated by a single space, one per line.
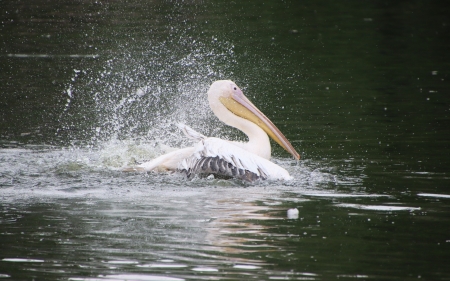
247 161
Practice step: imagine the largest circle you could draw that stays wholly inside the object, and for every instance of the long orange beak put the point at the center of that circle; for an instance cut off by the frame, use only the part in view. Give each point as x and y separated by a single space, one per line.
242 107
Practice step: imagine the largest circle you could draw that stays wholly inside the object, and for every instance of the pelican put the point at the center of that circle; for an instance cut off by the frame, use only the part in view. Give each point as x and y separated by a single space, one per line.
247 161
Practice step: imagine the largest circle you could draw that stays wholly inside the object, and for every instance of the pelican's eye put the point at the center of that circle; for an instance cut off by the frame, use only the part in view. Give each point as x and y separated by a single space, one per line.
235 88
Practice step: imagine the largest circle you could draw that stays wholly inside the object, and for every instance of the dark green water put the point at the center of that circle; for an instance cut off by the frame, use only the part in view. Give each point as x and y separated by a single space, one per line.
360 88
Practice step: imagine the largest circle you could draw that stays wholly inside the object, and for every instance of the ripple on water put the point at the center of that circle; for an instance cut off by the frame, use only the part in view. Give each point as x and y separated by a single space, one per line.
205 269
434 195
50 172
52 56
342 195
121 262
163 265
21 260
136 277
378 207
246 266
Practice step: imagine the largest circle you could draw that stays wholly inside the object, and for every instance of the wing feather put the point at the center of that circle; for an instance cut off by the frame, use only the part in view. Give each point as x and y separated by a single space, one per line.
220 157
190 133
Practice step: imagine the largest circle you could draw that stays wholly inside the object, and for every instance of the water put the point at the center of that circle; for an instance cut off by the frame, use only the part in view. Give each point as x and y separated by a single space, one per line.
360 90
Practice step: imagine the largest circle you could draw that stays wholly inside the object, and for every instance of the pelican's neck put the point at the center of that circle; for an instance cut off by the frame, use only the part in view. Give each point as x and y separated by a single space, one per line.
258 141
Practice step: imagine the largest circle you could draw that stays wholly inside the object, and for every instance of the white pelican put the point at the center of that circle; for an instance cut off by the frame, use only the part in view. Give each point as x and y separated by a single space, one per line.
243 160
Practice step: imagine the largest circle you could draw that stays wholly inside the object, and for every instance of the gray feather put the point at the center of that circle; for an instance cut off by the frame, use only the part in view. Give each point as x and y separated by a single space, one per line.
220 167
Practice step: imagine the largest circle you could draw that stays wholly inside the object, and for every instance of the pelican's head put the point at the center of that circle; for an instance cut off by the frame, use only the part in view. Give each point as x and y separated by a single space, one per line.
226 93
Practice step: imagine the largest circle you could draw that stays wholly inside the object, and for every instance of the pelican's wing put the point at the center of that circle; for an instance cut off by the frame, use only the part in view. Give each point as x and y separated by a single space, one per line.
220 157
167 161
190 133
171 160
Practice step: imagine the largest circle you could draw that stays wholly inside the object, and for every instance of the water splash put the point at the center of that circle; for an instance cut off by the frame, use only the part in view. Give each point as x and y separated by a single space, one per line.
142 93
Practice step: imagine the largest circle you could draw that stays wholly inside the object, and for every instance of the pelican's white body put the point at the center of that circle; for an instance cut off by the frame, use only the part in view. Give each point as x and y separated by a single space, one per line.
252 156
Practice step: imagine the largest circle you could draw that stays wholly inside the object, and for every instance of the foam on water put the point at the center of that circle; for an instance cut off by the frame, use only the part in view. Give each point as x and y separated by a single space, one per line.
53 172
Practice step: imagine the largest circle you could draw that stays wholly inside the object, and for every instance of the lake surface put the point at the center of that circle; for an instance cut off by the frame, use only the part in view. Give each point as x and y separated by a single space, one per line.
360 88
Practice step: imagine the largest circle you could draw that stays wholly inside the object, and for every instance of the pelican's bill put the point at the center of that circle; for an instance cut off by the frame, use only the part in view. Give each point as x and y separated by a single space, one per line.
242 107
